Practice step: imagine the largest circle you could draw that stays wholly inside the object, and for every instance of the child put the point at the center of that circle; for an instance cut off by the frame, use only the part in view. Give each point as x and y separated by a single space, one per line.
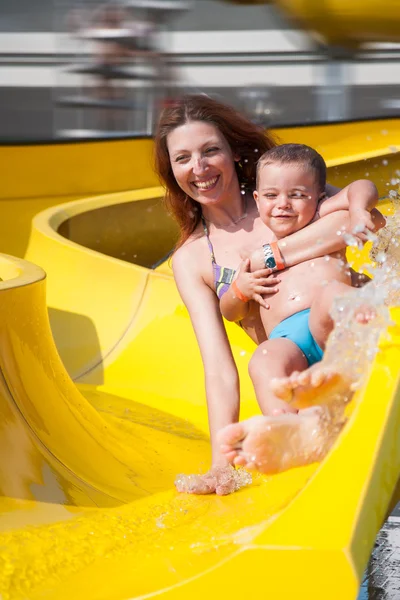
290 191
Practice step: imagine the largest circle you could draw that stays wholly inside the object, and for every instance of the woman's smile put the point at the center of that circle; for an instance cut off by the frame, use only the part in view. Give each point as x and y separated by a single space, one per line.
206 186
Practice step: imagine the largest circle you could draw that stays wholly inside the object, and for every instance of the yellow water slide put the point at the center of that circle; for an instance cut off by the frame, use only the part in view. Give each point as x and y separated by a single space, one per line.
102 401
346 23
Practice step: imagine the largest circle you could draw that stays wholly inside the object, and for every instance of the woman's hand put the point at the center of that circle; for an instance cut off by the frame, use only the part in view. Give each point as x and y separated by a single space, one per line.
363 223
220 480
257 283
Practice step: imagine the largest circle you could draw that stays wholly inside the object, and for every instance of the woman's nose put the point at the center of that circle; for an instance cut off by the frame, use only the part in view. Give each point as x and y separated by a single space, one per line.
199 165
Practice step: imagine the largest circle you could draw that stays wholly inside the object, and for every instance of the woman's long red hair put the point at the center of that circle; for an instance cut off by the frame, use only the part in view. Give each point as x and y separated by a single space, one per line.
246 140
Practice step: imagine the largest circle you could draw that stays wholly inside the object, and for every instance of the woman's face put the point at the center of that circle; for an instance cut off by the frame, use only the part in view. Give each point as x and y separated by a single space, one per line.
202 162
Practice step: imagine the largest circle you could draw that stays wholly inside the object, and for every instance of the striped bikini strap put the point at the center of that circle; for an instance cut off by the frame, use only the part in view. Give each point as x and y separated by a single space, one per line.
210 246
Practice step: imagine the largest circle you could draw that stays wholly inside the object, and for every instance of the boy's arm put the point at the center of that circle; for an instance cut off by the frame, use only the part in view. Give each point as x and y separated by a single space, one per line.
246 286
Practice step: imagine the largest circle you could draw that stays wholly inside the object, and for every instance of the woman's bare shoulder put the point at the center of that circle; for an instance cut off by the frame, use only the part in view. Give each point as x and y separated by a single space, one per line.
189 252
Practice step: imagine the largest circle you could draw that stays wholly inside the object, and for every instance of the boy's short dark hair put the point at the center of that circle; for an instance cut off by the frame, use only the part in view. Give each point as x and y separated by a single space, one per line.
300 154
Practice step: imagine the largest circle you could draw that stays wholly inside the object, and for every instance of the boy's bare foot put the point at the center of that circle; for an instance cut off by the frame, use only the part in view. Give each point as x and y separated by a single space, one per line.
274 444
305 388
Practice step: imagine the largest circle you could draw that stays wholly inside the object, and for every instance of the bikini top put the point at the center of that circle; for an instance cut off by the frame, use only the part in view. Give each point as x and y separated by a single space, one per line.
223 276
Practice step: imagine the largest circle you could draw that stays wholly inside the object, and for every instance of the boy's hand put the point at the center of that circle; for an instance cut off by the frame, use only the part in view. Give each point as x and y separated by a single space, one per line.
254 285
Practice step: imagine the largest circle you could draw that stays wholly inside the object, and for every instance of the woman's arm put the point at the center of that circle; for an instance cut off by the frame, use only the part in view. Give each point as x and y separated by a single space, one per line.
360 199
221 376
321 237
360 195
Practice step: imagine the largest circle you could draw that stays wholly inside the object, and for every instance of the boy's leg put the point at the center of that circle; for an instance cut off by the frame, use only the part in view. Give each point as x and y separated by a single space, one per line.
301 387
274 358
320 321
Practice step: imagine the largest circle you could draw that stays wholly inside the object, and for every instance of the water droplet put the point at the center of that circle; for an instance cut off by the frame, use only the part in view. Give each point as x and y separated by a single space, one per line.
380 257
367 174
339 233
265 351
385 162
242 353
393 148
384 132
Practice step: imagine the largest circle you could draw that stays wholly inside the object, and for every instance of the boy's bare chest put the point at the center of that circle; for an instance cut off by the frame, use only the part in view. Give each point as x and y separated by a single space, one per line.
300 285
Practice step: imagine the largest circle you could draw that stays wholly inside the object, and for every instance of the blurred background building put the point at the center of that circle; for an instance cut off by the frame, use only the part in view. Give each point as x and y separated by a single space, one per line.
90 68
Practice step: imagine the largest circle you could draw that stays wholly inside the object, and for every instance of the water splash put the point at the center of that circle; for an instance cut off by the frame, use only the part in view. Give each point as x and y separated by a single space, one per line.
352 345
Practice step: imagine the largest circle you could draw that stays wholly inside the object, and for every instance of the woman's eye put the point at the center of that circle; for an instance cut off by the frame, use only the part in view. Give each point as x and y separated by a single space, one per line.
180 158
212 149
270 196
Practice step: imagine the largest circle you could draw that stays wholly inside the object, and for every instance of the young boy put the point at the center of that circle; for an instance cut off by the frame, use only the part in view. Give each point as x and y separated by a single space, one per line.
290 187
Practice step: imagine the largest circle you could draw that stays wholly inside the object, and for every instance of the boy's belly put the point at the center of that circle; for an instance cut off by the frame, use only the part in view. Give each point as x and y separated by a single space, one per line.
299 286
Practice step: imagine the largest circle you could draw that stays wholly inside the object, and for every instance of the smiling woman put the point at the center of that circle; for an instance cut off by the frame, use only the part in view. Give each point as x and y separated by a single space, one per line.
206 157
195 143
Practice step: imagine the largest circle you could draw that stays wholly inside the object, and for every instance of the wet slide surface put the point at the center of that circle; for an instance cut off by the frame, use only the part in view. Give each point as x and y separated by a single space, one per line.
103 406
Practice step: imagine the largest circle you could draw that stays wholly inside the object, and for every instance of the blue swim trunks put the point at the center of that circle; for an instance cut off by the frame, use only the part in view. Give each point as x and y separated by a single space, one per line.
296 329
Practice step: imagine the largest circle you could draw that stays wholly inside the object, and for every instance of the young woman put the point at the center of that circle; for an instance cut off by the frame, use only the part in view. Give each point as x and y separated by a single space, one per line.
206 156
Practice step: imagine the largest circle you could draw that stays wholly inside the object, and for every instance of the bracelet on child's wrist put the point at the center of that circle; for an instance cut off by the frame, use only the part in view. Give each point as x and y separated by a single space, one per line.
273 258
238 293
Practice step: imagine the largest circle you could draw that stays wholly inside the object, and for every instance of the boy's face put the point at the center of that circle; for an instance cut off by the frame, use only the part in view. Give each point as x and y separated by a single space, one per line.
287 197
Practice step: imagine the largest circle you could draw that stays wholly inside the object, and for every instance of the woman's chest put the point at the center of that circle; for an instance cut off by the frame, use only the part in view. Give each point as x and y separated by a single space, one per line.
231 248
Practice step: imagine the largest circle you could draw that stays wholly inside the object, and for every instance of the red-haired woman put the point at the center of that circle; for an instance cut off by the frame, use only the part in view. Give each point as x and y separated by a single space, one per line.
206 156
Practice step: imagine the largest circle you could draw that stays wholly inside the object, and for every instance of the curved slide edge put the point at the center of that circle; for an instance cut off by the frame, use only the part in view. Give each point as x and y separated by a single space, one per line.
35 388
